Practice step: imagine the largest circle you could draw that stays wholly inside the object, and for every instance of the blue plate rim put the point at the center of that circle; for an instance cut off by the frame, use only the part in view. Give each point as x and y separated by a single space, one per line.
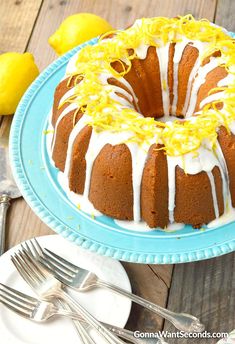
52 221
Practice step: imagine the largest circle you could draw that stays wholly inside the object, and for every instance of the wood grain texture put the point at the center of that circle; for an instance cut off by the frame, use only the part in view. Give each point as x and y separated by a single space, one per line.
203 288
16 23
206 290
150 286
22 222
225 14
120 13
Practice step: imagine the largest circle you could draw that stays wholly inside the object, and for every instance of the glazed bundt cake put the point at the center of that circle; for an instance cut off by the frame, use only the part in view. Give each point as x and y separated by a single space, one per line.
144 123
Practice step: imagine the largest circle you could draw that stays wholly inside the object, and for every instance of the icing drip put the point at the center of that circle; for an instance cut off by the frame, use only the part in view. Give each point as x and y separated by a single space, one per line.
172 162
190 83
224 175
74 133
213 191
211 98
198 82
69 108
163 57
191 164
68 94
206 160
138 156
232 127
141 51
179 49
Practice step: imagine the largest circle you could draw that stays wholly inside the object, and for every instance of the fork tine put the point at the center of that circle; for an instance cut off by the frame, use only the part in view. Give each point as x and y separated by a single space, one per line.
64 264
30 261
15 301
31 249
16 309
21 296
50 264
53 263
36 265
37 246
51 268
73 268
27 263
21 269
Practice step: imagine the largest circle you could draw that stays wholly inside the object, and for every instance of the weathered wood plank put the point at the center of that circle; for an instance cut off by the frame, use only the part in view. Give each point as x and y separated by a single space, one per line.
150 285
16 24
119 13
225 14
151 282
206 290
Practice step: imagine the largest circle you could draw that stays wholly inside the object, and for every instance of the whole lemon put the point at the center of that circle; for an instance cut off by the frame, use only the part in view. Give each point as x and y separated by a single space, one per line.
77 29
17 71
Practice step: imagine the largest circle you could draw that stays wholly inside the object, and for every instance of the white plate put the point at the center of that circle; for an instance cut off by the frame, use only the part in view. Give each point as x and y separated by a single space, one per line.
103 304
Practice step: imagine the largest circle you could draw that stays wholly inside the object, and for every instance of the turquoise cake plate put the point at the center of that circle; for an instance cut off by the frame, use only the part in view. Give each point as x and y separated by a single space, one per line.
37 180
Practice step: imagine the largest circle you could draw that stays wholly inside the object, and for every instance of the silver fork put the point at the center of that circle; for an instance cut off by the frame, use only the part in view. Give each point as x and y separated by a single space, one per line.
49 288
40 311
30 307
83 280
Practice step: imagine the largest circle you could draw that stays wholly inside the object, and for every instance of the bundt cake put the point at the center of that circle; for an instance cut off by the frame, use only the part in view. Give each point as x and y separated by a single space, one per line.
144 123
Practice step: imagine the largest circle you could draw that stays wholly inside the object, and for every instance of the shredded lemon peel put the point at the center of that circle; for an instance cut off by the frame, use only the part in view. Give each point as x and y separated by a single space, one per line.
93 97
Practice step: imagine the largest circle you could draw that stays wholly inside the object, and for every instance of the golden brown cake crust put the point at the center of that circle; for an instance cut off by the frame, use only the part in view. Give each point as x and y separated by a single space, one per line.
111 190
154 188
186 65
61 138
77 172
111 182
212 79
227 144
193 201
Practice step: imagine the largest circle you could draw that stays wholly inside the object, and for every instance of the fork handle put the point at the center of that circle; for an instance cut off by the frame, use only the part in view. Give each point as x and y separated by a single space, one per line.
4 205
120 332
83 335
183 322
107 334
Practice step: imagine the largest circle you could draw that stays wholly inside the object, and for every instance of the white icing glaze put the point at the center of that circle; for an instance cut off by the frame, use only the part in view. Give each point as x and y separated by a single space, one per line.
232 127
74 133
224 174
143 227
205 161
141 51
227 217
191 164
134 226
228 80
69 108
198 82
211 98
190 83
213 191
163 56
71 66
172 162
68 94
80 201
138 156
179 49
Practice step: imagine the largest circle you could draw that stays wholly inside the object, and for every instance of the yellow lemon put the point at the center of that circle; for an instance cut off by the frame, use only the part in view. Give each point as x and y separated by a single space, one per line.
77 29
17 71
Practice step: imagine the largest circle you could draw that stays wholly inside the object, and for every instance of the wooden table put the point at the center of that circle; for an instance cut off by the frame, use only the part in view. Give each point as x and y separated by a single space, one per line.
205 289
